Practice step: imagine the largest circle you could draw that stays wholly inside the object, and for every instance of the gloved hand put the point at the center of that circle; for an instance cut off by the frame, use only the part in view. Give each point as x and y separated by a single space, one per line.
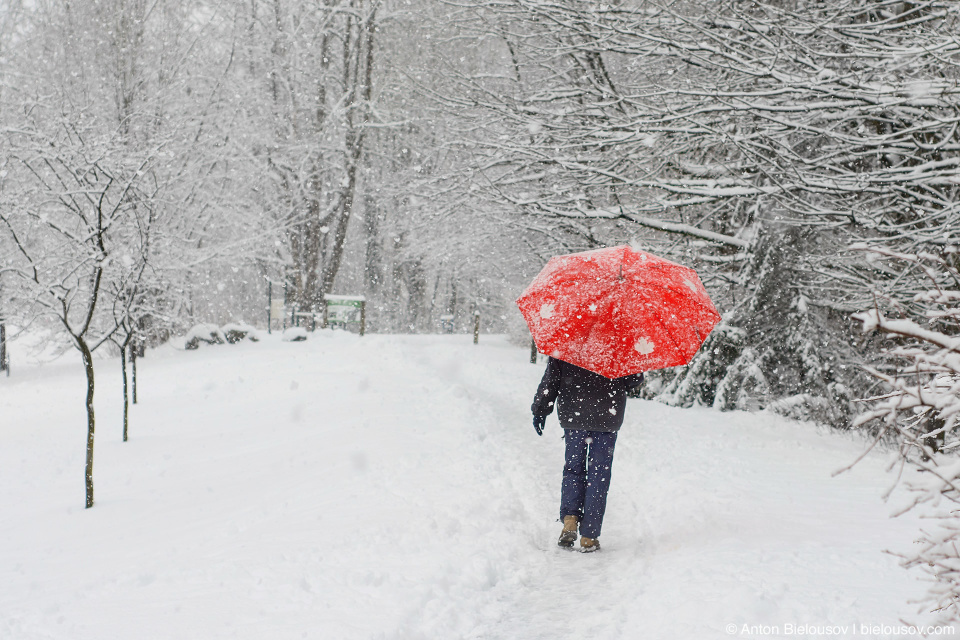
538 423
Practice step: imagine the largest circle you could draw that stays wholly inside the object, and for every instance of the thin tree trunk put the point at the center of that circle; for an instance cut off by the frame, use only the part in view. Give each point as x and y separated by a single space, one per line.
3 349
126 404
310 243
133 370
372 268
360 101
91 421
340 234
81 343
452 304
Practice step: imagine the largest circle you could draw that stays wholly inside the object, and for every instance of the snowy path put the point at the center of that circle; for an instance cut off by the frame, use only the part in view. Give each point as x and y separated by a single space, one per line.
393 487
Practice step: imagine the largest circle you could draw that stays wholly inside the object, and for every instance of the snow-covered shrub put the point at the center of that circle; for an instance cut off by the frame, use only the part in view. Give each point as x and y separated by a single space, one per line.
234 332
206 333
697 383
294 334
919 406
778 348
743 383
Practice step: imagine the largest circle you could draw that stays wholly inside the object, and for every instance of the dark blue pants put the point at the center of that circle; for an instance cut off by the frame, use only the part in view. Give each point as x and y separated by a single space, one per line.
586 477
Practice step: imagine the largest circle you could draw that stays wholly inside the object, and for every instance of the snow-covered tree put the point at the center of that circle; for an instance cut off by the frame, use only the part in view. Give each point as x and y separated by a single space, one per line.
752 140
70 214
118 194
307 71
919 405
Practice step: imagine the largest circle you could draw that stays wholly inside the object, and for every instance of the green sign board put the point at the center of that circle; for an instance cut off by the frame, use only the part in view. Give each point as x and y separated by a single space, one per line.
343 309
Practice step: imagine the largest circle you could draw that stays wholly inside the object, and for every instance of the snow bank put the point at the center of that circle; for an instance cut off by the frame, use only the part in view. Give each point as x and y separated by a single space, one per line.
392 487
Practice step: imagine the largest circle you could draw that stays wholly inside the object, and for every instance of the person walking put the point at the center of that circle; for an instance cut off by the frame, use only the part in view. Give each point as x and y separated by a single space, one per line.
591 408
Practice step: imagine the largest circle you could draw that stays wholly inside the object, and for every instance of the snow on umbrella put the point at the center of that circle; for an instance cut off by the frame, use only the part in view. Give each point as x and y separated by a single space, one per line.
618 311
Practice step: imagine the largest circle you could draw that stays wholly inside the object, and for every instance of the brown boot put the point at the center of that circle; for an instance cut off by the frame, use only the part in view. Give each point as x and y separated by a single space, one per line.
589 545
569 534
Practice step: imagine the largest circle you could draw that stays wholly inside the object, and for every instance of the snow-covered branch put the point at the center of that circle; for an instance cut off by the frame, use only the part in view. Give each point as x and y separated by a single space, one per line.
921 406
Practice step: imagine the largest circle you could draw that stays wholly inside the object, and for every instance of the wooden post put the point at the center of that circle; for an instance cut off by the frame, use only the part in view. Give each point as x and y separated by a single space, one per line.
476 327
533 351
363 316
325 320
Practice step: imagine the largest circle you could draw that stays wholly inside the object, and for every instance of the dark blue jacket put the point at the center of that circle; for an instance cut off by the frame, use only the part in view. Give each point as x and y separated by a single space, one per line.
587 399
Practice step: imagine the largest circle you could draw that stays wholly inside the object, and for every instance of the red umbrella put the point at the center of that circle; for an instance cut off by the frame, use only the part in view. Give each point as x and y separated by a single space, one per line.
618 311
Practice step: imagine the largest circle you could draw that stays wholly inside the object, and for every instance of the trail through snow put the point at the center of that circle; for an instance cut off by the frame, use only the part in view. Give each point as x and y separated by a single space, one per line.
392 487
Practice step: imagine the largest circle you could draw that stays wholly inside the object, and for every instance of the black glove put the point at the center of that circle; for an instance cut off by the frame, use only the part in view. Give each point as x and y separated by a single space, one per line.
538 423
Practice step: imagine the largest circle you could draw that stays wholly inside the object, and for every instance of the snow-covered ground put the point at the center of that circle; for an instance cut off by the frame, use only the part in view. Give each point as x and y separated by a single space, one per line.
392 487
